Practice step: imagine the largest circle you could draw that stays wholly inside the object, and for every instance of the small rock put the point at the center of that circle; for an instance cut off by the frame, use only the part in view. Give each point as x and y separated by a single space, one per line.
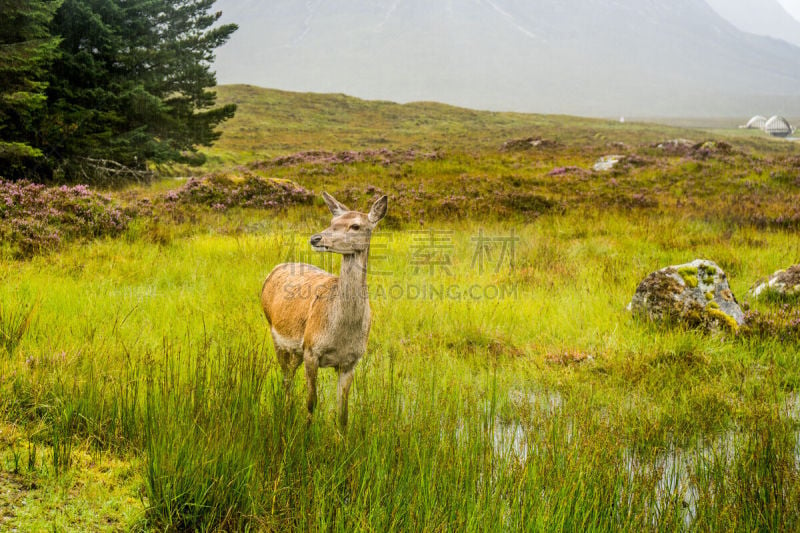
694 294
676 147
607 162
783 284
675 144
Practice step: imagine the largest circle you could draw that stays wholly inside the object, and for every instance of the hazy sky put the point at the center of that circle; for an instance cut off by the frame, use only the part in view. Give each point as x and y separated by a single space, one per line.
792 6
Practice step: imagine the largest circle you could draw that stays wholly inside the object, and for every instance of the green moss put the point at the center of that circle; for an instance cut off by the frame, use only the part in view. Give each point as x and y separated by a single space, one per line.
710 295
712 305
723 318
689 275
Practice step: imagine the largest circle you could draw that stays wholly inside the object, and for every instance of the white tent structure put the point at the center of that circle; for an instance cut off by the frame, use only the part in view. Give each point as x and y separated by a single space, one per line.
778 127
756 123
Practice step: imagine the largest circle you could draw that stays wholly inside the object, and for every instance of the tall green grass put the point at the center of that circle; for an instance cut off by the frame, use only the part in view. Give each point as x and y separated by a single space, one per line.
15 320
467 413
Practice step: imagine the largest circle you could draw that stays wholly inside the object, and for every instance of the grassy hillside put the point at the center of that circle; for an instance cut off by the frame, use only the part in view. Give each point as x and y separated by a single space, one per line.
505 386
436 160
272 122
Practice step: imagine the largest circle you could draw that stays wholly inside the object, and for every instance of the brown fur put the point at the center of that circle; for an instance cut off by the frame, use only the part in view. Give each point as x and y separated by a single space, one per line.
290 293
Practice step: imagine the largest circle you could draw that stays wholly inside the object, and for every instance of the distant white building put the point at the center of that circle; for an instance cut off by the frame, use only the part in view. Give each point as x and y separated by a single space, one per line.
778 127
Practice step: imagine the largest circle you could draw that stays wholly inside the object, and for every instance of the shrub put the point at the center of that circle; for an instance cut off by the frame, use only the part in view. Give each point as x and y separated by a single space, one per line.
221 192
782 324
35 218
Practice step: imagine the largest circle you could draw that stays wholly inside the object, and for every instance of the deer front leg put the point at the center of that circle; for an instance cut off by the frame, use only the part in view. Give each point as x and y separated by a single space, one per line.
342 394
311 365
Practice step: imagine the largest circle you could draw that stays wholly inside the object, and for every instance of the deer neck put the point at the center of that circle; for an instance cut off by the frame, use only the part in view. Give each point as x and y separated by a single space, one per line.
351 296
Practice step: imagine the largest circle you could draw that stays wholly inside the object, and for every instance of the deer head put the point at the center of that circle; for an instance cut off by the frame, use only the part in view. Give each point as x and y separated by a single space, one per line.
350 231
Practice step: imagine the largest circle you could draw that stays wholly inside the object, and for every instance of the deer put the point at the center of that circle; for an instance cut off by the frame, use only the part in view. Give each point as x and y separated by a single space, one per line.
319 319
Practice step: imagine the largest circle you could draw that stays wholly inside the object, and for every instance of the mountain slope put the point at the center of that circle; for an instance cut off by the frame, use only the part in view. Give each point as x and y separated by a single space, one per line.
761 17
588 57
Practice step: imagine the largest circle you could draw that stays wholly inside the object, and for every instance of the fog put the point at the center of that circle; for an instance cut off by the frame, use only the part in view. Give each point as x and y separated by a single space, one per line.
792 7
770 18
654 58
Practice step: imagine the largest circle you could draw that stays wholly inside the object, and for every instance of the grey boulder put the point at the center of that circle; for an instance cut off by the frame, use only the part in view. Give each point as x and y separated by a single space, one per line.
696 295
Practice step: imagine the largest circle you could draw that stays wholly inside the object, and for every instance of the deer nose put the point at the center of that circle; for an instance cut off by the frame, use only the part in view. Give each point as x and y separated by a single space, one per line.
315 240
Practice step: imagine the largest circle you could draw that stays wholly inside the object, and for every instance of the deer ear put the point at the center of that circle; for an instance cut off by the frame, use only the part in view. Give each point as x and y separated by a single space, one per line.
378 210
336 207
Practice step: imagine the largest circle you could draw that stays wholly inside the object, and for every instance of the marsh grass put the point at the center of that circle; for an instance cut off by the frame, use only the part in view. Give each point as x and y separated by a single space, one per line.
166 356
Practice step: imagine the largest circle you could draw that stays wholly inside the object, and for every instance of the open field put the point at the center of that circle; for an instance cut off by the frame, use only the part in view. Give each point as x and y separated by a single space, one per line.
505 386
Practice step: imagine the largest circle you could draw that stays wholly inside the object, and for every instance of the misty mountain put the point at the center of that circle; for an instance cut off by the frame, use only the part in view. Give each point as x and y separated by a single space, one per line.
762 17
587 57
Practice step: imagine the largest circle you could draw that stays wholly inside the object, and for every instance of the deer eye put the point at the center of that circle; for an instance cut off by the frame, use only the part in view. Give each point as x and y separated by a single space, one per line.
355 227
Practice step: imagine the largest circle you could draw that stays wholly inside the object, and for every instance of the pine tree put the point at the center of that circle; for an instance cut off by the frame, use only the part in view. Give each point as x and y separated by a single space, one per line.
185 53
131 84
85 92
26 49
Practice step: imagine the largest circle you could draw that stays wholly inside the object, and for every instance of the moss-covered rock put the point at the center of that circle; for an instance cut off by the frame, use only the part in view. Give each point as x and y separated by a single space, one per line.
783 285
695 295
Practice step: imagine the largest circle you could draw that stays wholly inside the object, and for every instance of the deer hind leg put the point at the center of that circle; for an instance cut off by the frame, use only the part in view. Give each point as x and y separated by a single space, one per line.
311 365
289 358
342 394
283 360
295 360
289 361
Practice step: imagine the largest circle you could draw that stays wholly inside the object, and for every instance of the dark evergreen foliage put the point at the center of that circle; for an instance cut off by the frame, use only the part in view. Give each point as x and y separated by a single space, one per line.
129 84
26 49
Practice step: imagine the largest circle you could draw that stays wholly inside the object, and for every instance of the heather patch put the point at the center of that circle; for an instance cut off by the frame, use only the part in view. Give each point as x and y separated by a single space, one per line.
383 156
35 218
567 170
789 176
760 209
516 145
420 204
696 151
221 192
781 324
